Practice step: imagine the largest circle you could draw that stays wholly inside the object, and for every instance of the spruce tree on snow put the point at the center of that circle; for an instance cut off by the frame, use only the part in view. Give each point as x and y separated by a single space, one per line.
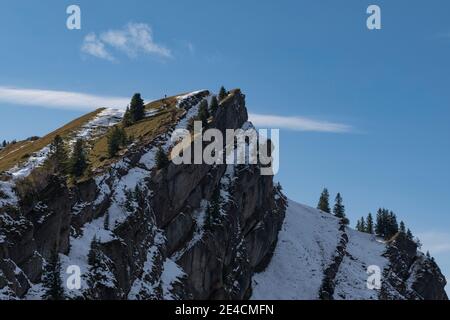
4 144
203 113
379 226
139 196
386 225
78 162
97 270
339 209
358 225
222 93
52 278
162 160
363 224
324 201
214 105
392 227
369 224
100 273
106 221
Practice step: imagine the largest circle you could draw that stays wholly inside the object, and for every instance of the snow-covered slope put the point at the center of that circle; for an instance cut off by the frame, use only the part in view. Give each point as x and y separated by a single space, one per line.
306 246
363 250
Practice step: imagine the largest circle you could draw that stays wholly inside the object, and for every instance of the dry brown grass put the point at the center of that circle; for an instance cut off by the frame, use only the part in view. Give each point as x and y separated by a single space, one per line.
143 131
19 152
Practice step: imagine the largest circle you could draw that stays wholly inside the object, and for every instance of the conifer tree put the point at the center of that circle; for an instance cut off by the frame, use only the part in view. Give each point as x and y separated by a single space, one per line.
52 278
139 195
339 209
369 224
402 227
129 199
214 105
409 235
4 144
162 160
137 108
379 226
127 118
98 271
117 139
203 113
78 162
324 201
106 221
392 225
363 224
213 210
358 225
59 154
222 93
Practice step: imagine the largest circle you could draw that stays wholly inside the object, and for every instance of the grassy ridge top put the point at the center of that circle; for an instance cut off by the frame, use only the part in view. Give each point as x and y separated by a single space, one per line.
19 152
142 131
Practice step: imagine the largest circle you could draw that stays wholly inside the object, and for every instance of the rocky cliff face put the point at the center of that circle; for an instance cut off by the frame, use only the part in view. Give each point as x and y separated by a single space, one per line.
160 243
411 274
150 235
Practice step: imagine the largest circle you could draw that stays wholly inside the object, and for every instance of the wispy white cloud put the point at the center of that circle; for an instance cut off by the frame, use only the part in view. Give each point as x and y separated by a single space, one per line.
133 39
93 46
435 242
59 99
298 123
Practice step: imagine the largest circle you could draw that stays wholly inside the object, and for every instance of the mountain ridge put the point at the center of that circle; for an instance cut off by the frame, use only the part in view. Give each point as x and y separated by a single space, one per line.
161 240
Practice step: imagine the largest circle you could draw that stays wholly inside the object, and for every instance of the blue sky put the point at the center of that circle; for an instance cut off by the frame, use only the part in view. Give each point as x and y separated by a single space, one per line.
301 60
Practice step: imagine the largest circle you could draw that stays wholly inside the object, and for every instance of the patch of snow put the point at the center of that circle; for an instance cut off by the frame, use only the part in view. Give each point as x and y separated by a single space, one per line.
152 112
225 184
363 250
79 250
189 95
141 285
101 122
8 197
35 160
171 274
306 245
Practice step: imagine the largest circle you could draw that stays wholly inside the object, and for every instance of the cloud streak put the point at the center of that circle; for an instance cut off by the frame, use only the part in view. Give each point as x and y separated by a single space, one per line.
132 40
298 124
82 101
59 99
